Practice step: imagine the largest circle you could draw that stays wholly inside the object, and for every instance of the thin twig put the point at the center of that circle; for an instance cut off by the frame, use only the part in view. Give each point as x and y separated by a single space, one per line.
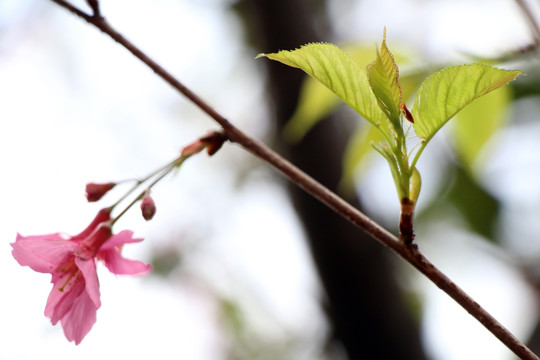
535 28
410 253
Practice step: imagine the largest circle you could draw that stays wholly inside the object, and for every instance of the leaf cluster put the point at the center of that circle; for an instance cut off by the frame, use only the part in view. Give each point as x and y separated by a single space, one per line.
374 91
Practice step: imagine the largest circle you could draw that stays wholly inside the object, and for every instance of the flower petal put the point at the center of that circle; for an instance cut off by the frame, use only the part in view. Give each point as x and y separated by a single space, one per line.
122 266
67 288
80 319
123 237
42 253
110 253
88 269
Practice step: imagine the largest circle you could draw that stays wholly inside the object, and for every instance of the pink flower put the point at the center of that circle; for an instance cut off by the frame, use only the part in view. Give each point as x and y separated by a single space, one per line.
71 260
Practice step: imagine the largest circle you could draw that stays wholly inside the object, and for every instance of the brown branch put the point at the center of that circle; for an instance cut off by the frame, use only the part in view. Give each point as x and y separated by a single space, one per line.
410 253
535 28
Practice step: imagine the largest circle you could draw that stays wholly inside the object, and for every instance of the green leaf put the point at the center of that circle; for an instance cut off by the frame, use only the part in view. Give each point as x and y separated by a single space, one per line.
383 77
475 125
446 92
339 72
317 101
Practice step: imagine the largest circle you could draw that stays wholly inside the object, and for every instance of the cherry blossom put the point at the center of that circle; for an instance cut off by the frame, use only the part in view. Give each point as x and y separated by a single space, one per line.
71 260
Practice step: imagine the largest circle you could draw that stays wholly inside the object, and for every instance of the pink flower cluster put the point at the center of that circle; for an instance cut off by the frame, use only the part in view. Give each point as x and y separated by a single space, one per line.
71 260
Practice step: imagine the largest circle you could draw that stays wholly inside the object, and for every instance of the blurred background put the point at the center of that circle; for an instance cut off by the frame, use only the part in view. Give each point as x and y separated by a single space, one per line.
246 265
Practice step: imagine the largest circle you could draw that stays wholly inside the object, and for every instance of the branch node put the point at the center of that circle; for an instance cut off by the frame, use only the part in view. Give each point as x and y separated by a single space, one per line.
406 233
94 4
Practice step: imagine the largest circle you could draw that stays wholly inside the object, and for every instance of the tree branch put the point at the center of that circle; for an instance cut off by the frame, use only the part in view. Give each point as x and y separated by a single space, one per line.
535 29
409 253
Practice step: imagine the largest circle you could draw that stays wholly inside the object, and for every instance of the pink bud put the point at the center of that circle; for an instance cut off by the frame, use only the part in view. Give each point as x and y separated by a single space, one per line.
193 148
211 142
148 208
94 191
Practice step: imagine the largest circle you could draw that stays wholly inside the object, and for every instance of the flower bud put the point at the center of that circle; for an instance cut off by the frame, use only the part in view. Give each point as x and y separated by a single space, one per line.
214 141
94 191
211 142
148 208
193 148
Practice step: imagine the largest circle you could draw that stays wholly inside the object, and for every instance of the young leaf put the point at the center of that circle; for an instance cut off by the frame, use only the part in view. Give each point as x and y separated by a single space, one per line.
383 77
444 93
317 101
339 72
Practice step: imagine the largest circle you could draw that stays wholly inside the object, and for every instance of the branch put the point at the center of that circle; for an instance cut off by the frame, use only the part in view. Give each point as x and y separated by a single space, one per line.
409 253
535 29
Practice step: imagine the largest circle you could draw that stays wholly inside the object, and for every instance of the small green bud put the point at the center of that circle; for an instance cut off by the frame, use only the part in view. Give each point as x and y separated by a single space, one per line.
415 185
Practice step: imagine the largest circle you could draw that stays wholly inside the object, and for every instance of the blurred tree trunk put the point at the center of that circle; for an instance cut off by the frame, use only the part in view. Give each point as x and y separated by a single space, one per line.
366 311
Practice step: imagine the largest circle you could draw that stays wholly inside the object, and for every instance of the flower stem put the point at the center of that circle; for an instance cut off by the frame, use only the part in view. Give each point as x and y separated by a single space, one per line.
163 171
138 182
